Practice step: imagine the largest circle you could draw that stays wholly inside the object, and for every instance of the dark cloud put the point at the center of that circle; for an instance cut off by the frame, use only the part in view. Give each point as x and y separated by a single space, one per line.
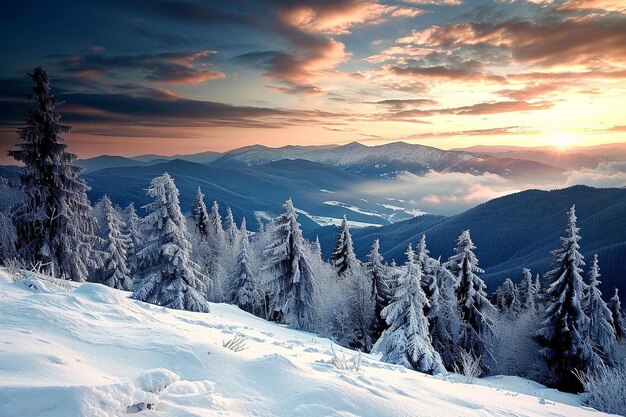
404 103
169 68
472 110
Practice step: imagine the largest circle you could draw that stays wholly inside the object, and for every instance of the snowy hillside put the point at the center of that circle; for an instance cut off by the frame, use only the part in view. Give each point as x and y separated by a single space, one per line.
87 350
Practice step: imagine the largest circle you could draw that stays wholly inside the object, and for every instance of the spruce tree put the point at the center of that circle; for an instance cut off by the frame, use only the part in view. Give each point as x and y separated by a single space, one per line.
527 292
8 238
406 341
477 332
200 215
564 332
115 272
54 223
244 291
539 295
230 228
293 286
132 230
429 282
167 275
381 293
602 330
507 298
618 316
343 258
446 325
441 310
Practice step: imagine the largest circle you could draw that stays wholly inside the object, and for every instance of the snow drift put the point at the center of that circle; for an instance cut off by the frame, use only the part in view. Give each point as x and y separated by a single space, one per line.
88 350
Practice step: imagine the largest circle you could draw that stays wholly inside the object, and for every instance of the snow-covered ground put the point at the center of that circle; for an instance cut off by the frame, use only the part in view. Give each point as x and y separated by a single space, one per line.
88 350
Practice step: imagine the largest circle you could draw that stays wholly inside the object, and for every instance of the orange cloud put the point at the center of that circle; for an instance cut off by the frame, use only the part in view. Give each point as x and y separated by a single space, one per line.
337 18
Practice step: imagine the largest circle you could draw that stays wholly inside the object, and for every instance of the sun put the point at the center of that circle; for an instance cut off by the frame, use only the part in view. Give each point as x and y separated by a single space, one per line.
562 142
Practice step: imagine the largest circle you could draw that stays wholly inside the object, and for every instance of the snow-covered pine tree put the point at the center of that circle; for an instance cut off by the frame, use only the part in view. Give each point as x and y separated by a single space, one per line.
132 230
200 215
564 332
230 228
445 329
539 295
216 228
244 291
167 275
292 288
217 260
381 293
316 248
54 223
8 238
477 332
343 258
602 329
618 316
428 280
507 298
406 341
527 291
115 272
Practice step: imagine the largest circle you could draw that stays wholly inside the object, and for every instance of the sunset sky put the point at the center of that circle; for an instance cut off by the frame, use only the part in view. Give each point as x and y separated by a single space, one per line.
188 76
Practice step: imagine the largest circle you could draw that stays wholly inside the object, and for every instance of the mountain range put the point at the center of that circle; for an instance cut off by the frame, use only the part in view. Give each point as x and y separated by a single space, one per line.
326 182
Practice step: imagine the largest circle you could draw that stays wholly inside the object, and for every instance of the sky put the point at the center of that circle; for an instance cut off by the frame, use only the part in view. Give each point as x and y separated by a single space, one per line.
169 76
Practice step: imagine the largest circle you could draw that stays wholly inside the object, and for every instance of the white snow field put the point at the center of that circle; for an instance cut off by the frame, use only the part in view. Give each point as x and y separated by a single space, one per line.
88 350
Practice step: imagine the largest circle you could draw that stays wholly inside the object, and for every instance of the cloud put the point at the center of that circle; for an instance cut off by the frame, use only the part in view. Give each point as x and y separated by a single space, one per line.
607 174
544 42
452 192
299 71
467 71
533 91
399 104
477 109
441 193
169 68
338 17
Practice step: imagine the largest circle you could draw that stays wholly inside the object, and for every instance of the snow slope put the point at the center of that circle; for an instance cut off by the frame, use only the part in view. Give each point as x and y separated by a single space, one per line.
88 350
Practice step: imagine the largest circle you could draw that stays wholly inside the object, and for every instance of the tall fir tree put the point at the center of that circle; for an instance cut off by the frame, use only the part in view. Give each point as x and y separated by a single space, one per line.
230 228
429 282
477 332
539 293
167 275
441 310
507 298
381 293
527 291
564 332
54 223
618 316
8 238
343 258
407 340
292 289
132 229
244 291
115 272
446 325
602 329
200 215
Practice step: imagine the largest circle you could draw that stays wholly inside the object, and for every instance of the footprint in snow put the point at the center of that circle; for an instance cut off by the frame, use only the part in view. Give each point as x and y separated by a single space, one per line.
57 360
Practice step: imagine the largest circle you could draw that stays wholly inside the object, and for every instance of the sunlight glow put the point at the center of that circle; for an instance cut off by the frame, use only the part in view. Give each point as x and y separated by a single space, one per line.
562 142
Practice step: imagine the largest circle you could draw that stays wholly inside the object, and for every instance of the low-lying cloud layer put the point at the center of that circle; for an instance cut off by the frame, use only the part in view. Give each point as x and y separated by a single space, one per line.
452 193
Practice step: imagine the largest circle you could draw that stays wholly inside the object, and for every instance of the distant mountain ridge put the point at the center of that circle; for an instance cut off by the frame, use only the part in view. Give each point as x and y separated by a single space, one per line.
388 160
